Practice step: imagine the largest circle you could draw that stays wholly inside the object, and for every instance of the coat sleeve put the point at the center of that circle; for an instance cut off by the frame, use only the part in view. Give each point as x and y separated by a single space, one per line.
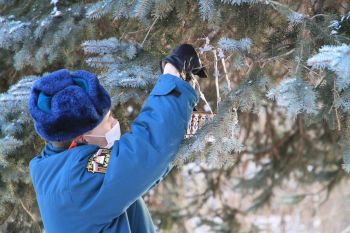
165 173
142 156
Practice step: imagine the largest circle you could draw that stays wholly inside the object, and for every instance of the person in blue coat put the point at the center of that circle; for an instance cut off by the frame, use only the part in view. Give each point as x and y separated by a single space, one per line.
88 178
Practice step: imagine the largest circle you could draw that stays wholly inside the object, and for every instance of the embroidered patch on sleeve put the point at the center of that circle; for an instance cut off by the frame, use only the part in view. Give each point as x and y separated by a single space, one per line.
99 161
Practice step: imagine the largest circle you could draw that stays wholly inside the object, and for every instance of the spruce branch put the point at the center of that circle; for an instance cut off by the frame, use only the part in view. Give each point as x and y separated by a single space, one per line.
143 8
336 59
207 9
295 95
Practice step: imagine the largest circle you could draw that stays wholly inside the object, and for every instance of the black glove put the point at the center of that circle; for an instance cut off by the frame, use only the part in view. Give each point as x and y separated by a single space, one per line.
186 61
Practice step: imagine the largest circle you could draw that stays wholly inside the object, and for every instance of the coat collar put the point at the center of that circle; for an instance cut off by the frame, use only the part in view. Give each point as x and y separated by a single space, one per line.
50 149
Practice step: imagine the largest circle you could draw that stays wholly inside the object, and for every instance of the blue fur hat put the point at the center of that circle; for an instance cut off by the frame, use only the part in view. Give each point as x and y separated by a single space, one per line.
65 105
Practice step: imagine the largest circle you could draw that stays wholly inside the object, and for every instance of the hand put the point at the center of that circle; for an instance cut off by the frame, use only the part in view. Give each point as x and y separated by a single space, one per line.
186 61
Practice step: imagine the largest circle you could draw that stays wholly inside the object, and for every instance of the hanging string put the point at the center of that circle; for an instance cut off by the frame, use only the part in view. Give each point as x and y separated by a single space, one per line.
201 95
222 57
216 73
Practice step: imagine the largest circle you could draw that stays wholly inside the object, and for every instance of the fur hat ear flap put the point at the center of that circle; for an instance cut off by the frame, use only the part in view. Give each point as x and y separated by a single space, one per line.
44 102
81 82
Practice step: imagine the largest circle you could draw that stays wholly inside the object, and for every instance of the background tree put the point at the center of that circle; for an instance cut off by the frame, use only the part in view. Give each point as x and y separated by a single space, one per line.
279 83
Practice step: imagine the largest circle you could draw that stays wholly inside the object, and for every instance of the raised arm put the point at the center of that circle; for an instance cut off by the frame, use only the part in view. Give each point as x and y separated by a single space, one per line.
142 155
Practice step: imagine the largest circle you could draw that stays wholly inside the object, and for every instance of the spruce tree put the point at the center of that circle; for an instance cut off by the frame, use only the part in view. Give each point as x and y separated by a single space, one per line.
279 76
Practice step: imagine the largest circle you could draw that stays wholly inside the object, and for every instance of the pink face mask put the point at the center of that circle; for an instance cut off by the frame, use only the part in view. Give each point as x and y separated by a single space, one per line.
111 136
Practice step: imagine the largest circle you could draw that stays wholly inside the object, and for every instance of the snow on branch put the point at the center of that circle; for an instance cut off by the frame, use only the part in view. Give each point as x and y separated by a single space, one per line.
242 45
8 144
13 31
207 9
143 8
115 57
295 18
108 52
336 59
295 95
98 9
239 2
134 77
19 91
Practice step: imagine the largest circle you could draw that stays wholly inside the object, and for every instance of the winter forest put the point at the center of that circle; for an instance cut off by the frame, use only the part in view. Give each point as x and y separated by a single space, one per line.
275 154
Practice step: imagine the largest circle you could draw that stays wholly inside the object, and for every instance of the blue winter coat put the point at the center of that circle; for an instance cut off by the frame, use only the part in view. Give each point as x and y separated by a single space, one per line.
73 200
